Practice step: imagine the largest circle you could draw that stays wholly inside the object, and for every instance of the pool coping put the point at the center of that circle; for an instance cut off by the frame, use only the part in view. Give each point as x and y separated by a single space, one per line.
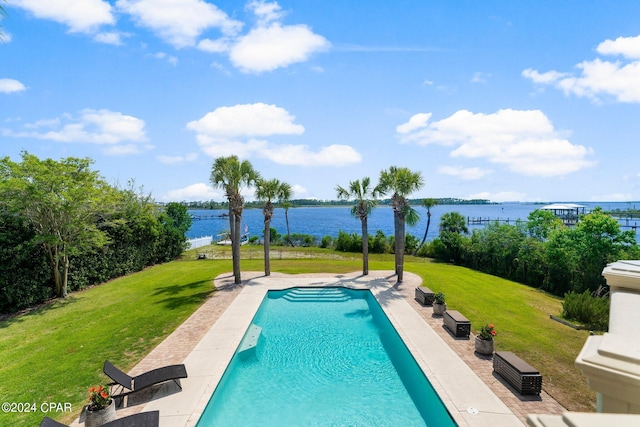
469 400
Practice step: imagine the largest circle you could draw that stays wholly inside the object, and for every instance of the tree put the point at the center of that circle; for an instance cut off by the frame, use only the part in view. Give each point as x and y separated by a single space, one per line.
401 182
452 225
2 13
231 175
364 197
175 221
61 200
286 205
269 191
599 241
427 203
540 223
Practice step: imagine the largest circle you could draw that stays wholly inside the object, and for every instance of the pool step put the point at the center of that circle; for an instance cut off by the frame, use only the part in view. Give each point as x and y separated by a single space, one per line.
251 338
316 295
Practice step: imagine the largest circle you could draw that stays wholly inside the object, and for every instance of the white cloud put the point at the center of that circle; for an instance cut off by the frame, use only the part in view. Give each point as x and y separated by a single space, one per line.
111 37
214 46
179 22
302 155
600 78
503 196
5 37
467 174
265 12
11 86
236 129
177 160
524 141
166 57
193 192
417 121
121 133
275 46
298 190
625 46
84 16
480 77
247 120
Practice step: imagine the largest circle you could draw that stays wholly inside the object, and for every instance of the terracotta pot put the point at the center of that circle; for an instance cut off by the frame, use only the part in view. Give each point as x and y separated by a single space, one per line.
101 416
484 347
439 309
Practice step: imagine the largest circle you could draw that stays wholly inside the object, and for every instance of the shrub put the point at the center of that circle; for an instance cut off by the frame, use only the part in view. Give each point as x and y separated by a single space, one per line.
587 309
378 244
326 242
348 242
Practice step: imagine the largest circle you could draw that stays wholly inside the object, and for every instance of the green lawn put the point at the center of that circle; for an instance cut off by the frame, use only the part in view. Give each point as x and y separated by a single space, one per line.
55 353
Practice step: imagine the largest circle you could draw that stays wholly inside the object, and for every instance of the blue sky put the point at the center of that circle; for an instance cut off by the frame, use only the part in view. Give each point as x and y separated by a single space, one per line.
509 101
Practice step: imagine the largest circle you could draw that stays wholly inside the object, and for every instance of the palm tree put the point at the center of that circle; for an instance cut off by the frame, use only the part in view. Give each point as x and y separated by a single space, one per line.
364 196
402 182
231 175
427 203
270 191
2 13
286 205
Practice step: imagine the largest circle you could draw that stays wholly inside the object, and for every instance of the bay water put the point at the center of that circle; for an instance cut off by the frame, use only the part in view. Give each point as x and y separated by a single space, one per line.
330 220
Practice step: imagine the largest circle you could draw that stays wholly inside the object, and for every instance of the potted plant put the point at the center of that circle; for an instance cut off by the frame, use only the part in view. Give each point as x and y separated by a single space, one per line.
101 408
484 340
439 304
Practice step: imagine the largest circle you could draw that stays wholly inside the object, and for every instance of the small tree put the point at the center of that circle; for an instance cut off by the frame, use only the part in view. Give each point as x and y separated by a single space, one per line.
364 197
231 175
452 226
401 182
61 200
427 203
270 191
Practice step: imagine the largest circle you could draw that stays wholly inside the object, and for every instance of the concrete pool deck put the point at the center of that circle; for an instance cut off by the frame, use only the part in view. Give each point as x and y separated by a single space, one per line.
207 340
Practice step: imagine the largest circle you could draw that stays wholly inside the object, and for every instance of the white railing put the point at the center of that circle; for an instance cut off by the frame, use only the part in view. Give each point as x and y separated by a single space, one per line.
199 242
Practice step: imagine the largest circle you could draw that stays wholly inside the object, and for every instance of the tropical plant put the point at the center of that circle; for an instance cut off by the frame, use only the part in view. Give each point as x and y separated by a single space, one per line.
452 224
286 205
427 203
99 398
588 309
364 196
2 13
487 332
401 182
269 191
232 175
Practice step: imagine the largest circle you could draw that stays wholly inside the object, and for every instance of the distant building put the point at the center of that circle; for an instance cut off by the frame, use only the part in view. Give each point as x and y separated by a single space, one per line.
569 213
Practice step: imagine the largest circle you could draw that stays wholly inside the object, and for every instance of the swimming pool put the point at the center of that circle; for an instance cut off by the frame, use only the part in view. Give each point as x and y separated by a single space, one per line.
323 356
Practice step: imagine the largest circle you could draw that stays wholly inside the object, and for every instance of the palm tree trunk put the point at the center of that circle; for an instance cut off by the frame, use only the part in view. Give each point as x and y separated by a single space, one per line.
231 222
396 240
267 244
400 251
286 218
424 238
365 247
235 247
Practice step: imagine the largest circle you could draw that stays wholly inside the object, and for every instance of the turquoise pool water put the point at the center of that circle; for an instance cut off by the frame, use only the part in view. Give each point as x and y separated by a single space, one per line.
323 357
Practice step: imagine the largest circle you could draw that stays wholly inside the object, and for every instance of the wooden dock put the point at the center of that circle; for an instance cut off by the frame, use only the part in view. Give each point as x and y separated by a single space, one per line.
485 221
